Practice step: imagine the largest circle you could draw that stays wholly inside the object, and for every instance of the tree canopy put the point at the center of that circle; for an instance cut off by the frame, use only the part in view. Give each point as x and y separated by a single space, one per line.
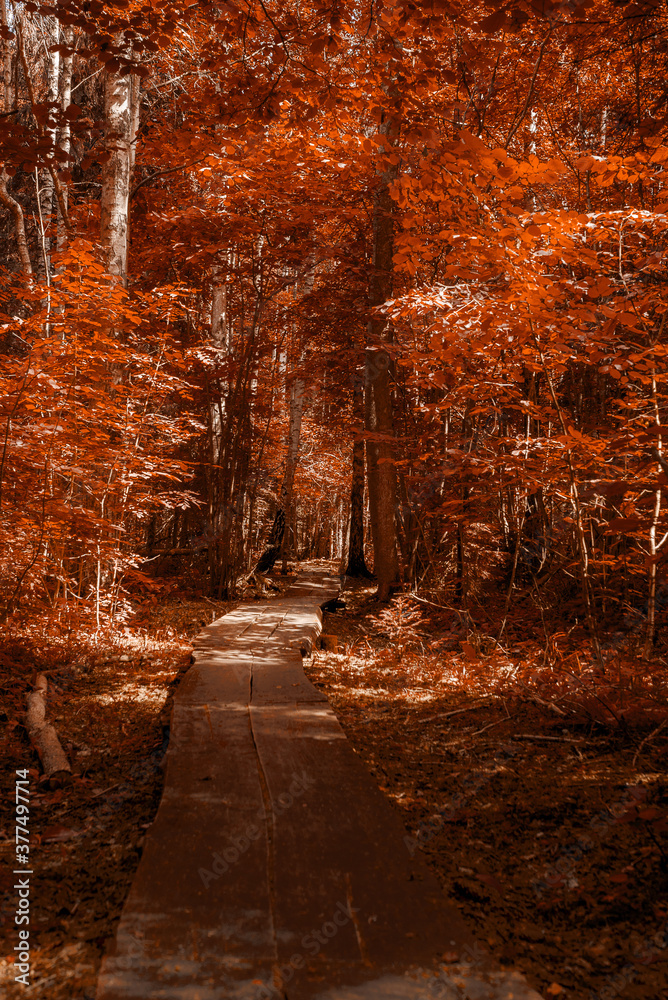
376 282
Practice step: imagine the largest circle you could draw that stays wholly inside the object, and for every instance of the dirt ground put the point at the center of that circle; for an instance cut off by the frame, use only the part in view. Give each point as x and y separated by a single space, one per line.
543 815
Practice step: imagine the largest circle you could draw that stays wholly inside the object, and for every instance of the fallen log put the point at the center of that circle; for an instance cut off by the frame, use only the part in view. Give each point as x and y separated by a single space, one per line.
57 770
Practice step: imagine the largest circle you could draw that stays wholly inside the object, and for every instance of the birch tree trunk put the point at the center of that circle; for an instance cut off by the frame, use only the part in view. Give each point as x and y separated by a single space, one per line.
381 472
46 184
135 108
6 58
116 175
65 137
653 545
221 480
219 341
6 199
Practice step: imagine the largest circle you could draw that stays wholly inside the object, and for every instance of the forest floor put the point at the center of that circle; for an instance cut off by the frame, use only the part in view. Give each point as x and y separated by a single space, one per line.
540 803
540 807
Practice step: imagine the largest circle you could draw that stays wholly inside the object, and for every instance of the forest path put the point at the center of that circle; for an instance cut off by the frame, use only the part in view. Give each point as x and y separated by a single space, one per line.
275 869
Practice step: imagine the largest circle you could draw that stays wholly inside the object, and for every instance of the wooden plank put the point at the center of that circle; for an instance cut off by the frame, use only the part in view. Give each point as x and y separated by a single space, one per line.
281 680
199 915
348 895
223 678
223 632
298 629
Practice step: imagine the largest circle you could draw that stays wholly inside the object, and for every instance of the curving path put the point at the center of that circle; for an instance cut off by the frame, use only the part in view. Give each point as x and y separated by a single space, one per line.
275 869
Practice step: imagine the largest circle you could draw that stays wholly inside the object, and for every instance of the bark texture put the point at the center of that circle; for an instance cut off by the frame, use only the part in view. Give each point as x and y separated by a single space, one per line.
6 58
356 563
46 175
219 340
6 198
57 770
116 176
288 492
19 224
65 137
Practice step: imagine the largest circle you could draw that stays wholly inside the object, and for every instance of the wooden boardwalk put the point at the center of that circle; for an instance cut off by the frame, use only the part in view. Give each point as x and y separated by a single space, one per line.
275 869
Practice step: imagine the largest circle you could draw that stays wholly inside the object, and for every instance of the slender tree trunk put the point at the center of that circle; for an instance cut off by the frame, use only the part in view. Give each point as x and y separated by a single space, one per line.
303 287
6 58
114 205
42 132
219 341
381 472
356 565
46 181
217 521
19 224
653 545
288 493
6 198
65 138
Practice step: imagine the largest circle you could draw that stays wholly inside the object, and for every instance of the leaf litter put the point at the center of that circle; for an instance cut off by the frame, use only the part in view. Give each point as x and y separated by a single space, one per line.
543 818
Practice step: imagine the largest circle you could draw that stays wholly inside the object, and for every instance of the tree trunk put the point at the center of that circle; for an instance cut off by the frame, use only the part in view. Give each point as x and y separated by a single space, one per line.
356 564
6 198
653 545
65 138
57 770
288 496
6 58
114 205
135 108
381 472
46 182
19 224
219 341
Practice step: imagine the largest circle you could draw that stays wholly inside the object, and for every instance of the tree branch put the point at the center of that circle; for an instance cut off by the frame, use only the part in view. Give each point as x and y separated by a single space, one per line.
161 173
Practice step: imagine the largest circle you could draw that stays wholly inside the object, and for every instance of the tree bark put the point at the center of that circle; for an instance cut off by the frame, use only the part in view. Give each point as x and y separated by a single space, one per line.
65 138
288 494
6 198
57 770
356 564
116 176
135 109
57 187
6 59
220 343
381 472
46 176
653 545
19 224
